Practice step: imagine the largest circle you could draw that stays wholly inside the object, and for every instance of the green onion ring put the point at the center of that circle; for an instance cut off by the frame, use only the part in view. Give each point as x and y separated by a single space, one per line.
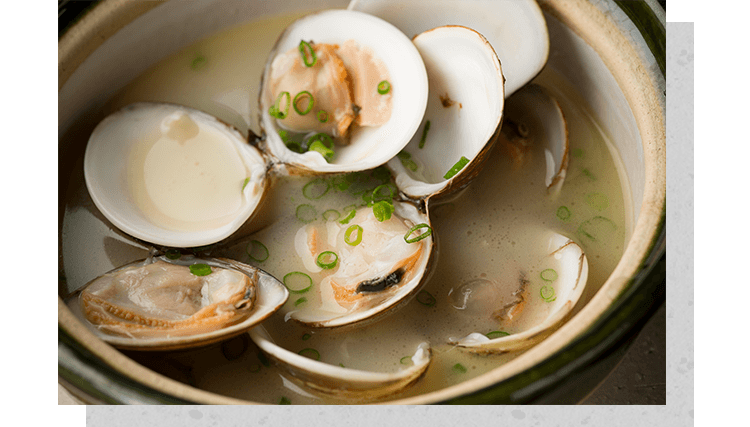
327 265
256 244
459 368
200 269
563 213
306 213
421 236
300 301
349 217
383 211
548 293
293 274
309 189
548 275
424 134
275 111
406 360
496 334
323 116
306 337
426 298
384 87
304 48
376 196
310 103
324 151
310 353
329 215
348 235
172 254
463 161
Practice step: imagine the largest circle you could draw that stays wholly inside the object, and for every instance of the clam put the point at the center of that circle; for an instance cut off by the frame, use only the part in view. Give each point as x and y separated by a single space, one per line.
534 116
341 382
172 175
515 28
323 76
560 286
162 303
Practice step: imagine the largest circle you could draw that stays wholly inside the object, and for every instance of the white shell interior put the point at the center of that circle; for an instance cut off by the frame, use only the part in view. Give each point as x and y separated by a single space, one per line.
515 28
106 164
369 146
462 66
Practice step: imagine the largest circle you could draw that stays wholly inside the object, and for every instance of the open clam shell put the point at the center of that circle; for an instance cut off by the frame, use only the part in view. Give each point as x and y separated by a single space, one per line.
339 382
369 146
464 112
534 117
562 293
371 279
515 28
160 304
172 175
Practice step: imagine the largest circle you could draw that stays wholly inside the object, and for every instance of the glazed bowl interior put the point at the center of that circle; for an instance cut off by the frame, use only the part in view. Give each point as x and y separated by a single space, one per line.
613 74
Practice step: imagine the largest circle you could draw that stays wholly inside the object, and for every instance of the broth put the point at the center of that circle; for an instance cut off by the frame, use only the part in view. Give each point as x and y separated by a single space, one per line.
494 231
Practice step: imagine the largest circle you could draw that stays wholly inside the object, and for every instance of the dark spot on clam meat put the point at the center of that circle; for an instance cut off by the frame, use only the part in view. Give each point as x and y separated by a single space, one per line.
379 284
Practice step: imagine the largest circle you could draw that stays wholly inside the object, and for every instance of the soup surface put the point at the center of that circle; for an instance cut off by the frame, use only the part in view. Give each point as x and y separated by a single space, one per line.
490 238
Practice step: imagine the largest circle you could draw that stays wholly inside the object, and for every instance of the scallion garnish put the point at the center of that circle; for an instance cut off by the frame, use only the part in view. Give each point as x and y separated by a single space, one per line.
378 194
306 213
324 151
198 62
300 97
597 201
384 87
275 109
310 353
331 215
316 189
597 228
306 337
383 211
322 116
285 401
563 213
426 298
327 260
456 168
300 301
548 275
297 282
349 217
342 365
257 251
424 234
577 152
588 174
263 359
406 360
172 254
496 334
459 368
348 235
548 293
406 160
200 269
424 134
244 183
308 54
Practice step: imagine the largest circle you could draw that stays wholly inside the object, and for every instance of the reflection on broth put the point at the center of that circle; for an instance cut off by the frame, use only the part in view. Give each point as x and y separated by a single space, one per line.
491 239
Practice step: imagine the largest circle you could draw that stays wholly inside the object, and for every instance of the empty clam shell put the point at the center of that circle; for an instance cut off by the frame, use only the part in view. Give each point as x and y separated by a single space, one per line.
515 28
339 382
165 304
562 293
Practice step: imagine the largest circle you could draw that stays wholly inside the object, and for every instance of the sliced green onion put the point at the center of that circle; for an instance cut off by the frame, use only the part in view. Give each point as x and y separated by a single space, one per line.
342 365
577 152
254 368
348 235
200 269
351 207
172 254
306 337
403 155
307 52
597 228
419 237
406 360
285 401
426 298
384 87
244 183
327 260
284 135
300 301
263 359
306 213
597 201
324 151
316 189
322 116
406 160
297 282
257 251
548 275
548 293
341 182
588 174
275 109
459 368
349 217
383 211
381 173
563 213
496 334
301 96
295 146
424 134
456 168
331 215
310 353
199 62
378 194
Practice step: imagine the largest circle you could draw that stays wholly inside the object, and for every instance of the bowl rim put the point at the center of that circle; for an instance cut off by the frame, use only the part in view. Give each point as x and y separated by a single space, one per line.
89 370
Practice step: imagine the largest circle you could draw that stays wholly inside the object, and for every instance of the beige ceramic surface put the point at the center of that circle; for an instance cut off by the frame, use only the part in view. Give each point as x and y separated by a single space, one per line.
638 88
